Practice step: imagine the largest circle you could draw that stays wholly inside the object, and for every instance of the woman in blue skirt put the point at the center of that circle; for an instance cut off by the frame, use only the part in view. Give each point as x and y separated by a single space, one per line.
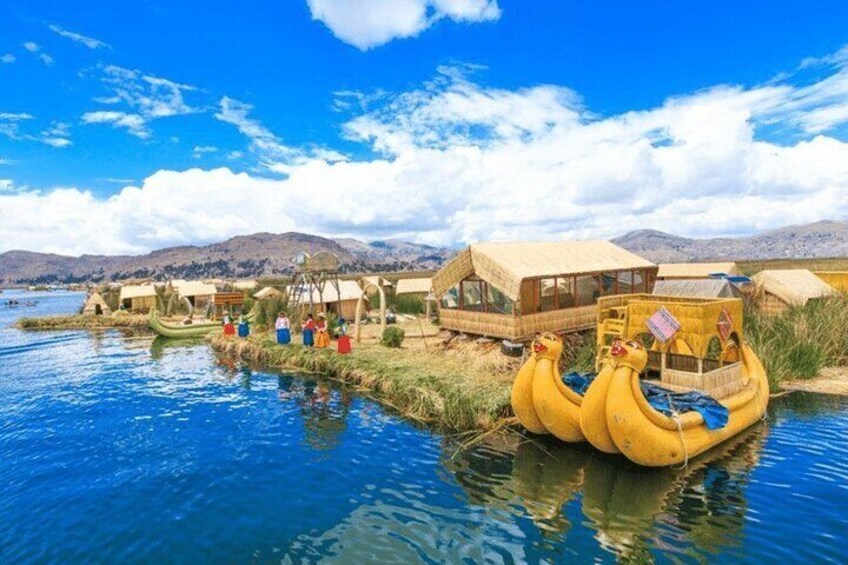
308 329
283 327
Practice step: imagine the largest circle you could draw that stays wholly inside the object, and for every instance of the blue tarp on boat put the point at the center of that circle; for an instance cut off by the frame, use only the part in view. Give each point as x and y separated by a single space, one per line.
663 400
578 382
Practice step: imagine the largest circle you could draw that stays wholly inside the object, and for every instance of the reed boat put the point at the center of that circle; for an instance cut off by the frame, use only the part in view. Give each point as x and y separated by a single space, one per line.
704 358
177 331
542 402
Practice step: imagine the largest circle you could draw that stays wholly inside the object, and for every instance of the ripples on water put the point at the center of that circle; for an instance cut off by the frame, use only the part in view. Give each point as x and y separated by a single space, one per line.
117 447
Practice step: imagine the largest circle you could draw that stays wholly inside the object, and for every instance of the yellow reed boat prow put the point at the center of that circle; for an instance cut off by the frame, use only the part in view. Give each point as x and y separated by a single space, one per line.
540 400
703 350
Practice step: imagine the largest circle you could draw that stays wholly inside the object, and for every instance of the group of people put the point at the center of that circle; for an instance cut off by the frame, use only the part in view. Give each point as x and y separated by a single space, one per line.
315 333
230 328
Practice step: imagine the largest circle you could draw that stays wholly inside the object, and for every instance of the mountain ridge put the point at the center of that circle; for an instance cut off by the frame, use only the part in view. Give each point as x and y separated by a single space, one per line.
267 254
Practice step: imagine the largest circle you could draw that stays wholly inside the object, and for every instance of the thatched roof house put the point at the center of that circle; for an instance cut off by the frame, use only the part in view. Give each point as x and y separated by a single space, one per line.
341 303
268 292
513 290
140 297
777 290
683 271
196 292
96 306
245 285
420 286
697 288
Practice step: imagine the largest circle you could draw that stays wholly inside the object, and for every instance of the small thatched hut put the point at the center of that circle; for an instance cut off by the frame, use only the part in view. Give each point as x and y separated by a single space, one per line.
245 285
341 303
138 297
200 294
687 271
268 292
699 288
96 306
777 290
420 287
513 290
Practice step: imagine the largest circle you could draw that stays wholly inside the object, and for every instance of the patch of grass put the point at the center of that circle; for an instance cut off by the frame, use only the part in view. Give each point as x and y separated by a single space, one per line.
441 390
80 322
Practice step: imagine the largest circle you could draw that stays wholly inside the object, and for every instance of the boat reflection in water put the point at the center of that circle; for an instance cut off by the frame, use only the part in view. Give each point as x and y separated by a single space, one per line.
631 509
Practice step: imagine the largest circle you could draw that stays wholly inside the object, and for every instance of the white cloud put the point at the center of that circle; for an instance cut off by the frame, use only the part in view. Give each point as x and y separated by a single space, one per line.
57 135
35 48
147 97
89 42
201 150
262 141
10 123
8 59
233 155
6 185
46 59
32 46
459 162
133 123
369 23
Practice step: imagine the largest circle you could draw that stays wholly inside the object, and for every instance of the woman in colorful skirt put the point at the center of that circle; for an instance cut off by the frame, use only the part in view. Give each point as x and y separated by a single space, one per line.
243 327
343 344
308 331
283 327
229 328
322 336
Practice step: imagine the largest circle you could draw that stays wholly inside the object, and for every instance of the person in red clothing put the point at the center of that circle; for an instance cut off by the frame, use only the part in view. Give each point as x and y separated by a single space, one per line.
308 331
229 328
343 344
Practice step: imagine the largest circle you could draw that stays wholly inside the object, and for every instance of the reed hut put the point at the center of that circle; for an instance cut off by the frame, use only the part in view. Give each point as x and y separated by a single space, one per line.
699 288
138 297
419 287
199 294
342 303
371 282
95 305
836 279
777 290
689 271
268 292
514 290
245 285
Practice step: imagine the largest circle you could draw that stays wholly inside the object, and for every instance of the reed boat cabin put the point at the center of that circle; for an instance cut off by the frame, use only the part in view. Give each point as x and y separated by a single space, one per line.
692 343
515 290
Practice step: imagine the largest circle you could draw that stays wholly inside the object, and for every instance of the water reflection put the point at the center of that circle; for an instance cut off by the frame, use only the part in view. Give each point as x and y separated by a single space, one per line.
630 509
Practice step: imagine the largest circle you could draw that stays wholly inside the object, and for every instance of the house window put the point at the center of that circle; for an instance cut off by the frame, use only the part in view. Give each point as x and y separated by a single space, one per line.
547 295
625 283
497 302
588 290
472 295
609 283
450 299
565 292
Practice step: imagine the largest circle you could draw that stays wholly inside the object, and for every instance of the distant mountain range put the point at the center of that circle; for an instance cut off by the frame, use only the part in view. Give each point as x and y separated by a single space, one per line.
249 256
268 255
818 240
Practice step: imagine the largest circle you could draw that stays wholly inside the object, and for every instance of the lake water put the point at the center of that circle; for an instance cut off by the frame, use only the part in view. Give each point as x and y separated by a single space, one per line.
118 448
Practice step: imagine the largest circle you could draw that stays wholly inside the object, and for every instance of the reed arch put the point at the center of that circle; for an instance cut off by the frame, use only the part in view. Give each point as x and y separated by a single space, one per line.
359 306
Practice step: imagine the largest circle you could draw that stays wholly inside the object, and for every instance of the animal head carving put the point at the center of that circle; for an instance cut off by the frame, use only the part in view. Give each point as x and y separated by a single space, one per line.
547 346
629 354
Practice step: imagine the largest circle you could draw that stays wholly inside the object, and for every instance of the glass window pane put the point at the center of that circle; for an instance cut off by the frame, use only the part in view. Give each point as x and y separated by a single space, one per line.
625 282
565 292
607 281
497 302
450 299
547 289
587 290
472 296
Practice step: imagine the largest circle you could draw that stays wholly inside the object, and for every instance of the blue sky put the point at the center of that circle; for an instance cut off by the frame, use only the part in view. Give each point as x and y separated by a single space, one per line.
422 119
